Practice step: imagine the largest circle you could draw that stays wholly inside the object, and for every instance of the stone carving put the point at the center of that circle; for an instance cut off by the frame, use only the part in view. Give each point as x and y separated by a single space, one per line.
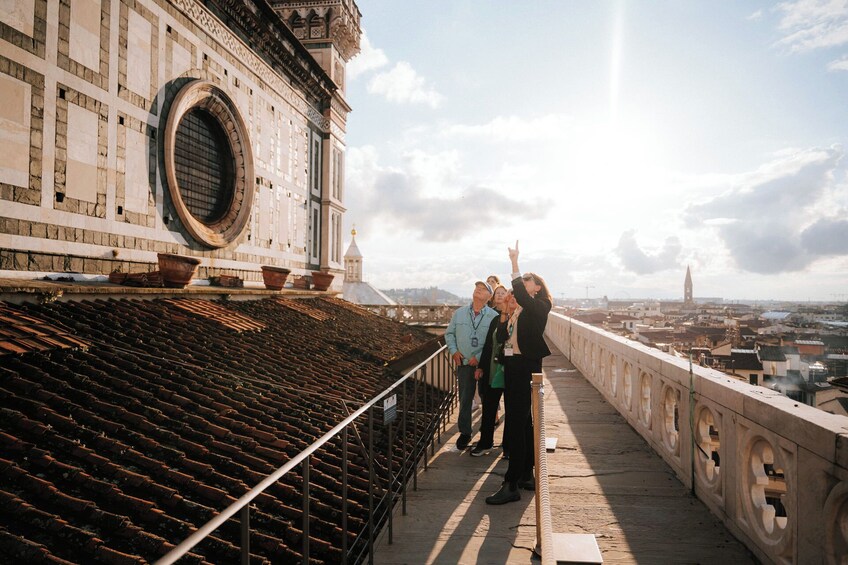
645 409
708 448
671 419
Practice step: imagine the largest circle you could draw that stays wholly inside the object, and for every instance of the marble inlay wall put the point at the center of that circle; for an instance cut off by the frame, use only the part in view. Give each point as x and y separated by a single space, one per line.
85 86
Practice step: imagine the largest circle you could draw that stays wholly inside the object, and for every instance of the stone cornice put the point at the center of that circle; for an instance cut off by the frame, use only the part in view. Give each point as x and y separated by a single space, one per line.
260 27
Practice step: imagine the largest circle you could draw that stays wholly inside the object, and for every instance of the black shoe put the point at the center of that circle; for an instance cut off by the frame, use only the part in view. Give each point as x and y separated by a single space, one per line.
505 454
527 482
462 442
508 493
480 450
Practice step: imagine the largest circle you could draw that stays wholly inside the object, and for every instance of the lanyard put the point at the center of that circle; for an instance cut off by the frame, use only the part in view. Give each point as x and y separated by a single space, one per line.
471 315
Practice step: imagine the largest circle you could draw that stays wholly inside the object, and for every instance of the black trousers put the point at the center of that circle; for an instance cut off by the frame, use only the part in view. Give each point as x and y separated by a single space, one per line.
518 371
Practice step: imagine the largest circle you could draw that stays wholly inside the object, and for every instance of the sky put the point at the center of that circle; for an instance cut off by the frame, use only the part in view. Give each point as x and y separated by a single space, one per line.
618 141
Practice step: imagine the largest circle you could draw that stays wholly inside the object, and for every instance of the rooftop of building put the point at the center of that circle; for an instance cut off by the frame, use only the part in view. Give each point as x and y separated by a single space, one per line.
129 423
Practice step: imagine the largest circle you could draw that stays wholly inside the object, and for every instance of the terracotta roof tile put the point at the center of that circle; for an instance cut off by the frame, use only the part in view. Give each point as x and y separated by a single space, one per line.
30 333
213 311
118 452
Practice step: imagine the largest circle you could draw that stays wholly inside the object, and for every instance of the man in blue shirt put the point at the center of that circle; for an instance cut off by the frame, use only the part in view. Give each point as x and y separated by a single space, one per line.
464 337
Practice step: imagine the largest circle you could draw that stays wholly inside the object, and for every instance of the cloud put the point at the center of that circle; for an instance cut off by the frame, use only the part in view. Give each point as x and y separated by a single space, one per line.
781 217
513 128
368 59
405 199
838 64
402 84
813 24
828 236
642 263
755 16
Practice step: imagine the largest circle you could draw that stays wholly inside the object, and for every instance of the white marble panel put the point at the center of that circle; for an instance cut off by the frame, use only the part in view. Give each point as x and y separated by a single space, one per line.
14 130
18 14
264 214
138 54
136 179
81 175
180 60
85 33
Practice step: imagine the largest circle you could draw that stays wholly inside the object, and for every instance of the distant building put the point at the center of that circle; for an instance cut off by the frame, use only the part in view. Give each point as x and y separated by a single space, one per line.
355 289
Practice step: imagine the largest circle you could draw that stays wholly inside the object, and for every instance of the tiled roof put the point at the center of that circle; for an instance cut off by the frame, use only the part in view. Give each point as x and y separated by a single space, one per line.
116 453
745 359
20 333
771 353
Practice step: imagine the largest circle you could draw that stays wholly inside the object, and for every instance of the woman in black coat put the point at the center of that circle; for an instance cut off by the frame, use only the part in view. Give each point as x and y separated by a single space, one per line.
524 348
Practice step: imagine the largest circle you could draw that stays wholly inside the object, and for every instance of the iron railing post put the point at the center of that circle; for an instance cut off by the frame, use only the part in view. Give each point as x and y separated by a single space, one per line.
438 411
426 415
244 517
415 433
391 487
344 496
404 464
371 484
306 463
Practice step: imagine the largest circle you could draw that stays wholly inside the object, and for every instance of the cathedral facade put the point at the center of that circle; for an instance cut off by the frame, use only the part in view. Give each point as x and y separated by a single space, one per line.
210 129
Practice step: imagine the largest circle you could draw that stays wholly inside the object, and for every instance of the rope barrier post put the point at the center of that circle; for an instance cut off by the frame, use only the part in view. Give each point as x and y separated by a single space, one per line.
544 527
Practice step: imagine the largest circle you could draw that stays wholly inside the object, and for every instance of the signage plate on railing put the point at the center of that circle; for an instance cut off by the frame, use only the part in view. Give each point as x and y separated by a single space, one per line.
389 409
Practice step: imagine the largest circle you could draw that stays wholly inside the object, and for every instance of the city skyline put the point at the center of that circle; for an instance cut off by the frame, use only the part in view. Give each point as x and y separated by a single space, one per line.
618 142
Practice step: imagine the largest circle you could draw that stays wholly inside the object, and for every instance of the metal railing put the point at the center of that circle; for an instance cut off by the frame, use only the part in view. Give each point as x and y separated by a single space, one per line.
433 391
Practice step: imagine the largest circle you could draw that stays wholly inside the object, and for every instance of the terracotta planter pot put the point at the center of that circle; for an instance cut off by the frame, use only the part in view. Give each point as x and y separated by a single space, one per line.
274 277
321 280
177 270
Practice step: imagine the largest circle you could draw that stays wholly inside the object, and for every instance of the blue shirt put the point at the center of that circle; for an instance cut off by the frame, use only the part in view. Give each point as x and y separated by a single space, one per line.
464 326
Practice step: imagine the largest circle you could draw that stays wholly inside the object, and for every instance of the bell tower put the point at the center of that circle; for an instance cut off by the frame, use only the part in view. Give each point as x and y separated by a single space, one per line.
353 260
330 29
687 288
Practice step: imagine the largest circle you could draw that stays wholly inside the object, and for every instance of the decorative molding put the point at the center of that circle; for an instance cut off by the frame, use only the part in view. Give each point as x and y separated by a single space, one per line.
201 17
343 17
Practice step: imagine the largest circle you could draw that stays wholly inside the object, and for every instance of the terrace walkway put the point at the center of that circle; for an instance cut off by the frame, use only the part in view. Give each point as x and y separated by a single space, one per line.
604 479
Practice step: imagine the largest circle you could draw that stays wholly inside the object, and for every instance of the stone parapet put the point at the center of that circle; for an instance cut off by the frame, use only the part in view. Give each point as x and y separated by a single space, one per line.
772 469
415 314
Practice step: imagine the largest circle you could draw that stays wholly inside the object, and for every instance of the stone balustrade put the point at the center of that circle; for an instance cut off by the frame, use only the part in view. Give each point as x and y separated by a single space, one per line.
773 470
415 314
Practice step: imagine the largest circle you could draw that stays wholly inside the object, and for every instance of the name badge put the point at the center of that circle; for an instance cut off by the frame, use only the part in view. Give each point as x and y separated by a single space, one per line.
508 352
474 341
